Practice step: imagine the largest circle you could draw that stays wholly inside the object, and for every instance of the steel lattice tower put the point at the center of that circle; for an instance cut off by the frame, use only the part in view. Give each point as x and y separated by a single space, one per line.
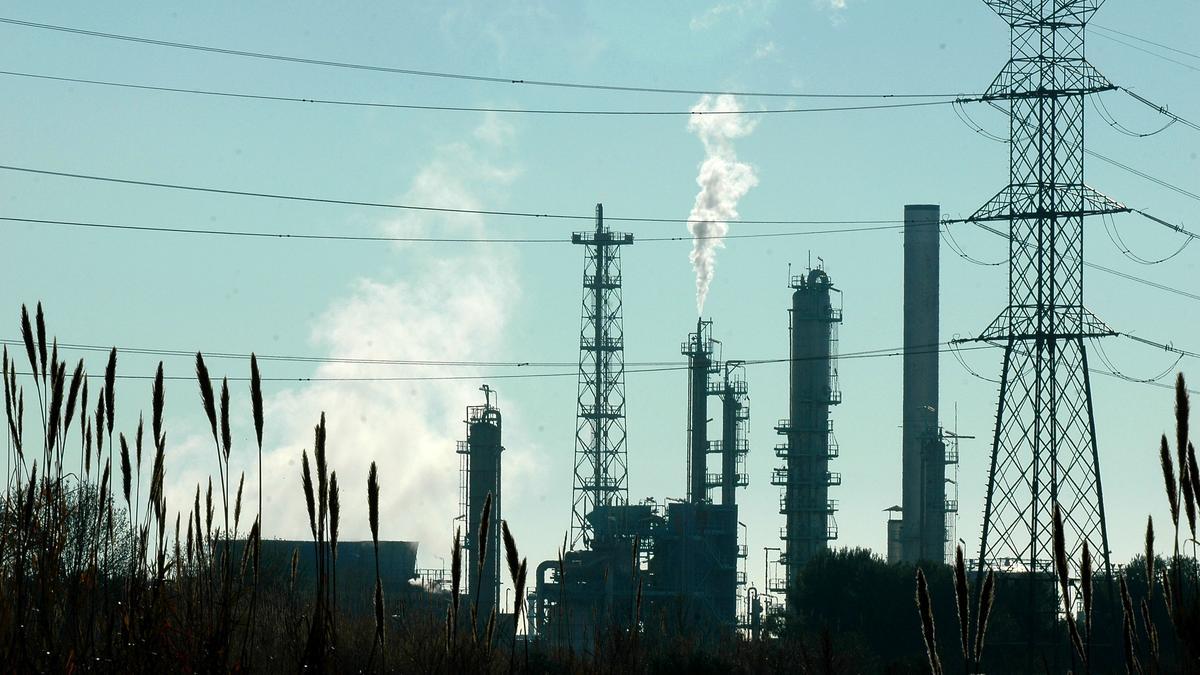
1044 449
600 466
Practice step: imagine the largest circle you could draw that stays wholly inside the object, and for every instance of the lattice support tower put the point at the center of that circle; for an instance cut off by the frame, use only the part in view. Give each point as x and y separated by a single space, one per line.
1044 449
600 458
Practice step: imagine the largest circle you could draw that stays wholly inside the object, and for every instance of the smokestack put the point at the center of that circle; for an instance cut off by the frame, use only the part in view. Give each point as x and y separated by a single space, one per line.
699 350
924 454
481 468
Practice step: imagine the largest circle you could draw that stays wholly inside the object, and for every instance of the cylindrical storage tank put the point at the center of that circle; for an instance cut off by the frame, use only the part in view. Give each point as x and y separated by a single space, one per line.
924 465
484 449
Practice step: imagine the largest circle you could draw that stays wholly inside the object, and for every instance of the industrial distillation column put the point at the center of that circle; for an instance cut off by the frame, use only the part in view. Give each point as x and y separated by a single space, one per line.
480 477
699 350
805 476
735 416
924 453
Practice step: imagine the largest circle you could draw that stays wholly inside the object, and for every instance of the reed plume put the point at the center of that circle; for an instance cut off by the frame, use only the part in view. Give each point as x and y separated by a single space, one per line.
334 516
237 505
101 411
1129 626
125 470
373 501
962 599
207 398
512 557
455 584
30 349
41 336
56 402
157 402
1063 573
928 629
1182 413
226 435
322 482
1168 469
1151 629
77 379
110 389
256 403
1149 553
309 501
335 510
373 517
987 599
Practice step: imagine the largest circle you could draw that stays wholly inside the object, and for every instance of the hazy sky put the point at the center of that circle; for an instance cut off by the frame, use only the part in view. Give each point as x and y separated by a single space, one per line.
520 303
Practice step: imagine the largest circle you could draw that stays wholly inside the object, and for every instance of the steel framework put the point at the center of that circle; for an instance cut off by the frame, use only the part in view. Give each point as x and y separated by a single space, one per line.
1044 448
600 463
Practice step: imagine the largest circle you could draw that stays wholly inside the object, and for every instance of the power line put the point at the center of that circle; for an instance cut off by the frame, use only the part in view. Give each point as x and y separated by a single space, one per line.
446 108
1107 270
1142 174
1147 51
649 367
1168 347
425 240
449 75
1119 376
413 207
1161 109
511 376
1141 39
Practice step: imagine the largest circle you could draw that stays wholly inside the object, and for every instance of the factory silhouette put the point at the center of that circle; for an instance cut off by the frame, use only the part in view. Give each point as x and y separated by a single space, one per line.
678 565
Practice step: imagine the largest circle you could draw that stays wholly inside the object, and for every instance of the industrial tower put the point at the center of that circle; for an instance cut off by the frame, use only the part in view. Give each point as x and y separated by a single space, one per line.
699 349
1044 449
923 536
479 477
600 464
708 376
805 476
734 445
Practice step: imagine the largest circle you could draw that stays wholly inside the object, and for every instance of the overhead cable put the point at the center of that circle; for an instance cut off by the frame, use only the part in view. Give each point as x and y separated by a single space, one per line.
412 207
1147 51
450 75
476 109
890 352
425 240
1161 109
1142 39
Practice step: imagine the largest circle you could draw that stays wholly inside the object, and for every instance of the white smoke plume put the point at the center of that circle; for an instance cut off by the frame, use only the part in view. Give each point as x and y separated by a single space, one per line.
723 180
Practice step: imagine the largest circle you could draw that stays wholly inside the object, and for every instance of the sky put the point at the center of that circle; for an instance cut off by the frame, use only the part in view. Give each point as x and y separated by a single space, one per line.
510 303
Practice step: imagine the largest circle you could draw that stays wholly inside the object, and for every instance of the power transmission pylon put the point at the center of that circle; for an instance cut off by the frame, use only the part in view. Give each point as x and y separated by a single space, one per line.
1044 449
600 465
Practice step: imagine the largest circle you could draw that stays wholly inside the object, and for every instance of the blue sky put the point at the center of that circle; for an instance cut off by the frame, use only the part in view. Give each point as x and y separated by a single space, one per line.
521 303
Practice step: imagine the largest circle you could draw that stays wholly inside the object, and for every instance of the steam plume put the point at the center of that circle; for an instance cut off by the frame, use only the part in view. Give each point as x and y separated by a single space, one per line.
723 180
